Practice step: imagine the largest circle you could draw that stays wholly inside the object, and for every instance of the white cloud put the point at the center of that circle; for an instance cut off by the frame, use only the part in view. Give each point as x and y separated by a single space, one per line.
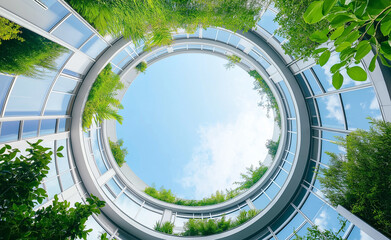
333 107
374 104
226 149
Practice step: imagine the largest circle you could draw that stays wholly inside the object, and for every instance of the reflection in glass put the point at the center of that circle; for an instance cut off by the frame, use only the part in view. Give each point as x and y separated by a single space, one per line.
30 128
48 126
330 111
73 31
9 131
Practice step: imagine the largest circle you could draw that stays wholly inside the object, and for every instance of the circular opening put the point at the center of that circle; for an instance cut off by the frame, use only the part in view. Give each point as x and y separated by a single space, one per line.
196 124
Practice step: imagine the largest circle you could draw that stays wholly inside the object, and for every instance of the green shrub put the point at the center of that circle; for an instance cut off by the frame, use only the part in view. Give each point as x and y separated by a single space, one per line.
29 57
272 147
101 102
264 90
9 30
153 21
141 67
251 177
360 180
315 233
119 152
165 227
205 227
232 61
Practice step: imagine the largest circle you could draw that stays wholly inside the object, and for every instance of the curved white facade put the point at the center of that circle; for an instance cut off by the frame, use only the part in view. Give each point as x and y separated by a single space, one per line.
289 195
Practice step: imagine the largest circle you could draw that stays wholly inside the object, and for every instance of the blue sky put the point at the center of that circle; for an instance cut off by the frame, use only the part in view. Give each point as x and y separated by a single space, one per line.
192 126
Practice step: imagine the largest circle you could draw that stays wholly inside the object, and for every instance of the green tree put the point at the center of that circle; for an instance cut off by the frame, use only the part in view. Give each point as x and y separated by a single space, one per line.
29 57
142 67
232 61
153 21
272 147
101 102
360 180
314 233
166 227
295 29
268 101
119 152
251 177
356 27
20 177
9 30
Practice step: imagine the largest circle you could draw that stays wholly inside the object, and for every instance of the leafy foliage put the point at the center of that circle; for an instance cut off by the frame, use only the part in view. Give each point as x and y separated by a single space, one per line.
119 152
356 27
20 177
165 227
272 147
205 227
251 177
152 21
9 30
268 100
295 29
141 67
232 60
360 180
29 57
101 102
315 233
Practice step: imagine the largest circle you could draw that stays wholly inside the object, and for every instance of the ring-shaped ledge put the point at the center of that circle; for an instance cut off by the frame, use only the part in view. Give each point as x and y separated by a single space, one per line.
277 204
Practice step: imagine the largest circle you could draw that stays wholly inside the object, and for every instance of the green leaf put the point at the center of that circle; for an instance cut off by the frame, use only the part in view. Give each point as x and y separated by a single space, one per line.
374 7
319 36
327 5
313 14
341 19
357 73
347 53
60 148
384 61
370 29
363 48
324 58
337 32
372 64
385 25
337 80
60 155
342 46
319 50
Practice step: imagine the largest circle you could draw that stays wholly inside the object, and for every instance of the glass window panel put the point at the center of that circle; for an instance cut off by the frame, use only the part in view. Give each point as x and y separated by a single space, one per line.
280 179
303 230
312 206
91 223
288 98
261 202
329 147
292 147
120 57
330 111
66 180
52 187
311 106
73 31
94 47
9 131
328 218
5 82
325 76
303 85
65 84
358 108
196 34
279 38
234 40
272 190
96 151
30 128
358 234
180 222
287 166
57 104
108 193
290 157
293 125
72 73
180 36
267 21
114 187
62 162
148 218
116 70
209 33
194 46
127 205
283 218
232 215
63 125
332 135
293 225
29 94
312 81
48 126
223 36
